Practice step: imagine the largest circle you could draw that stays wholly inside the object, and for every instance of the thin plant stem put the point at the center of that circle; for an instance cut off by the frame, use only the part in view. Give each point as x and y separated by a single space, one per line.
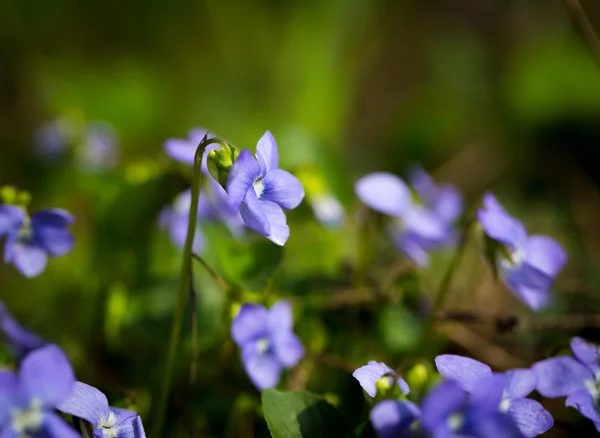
184 282
223 285
586 27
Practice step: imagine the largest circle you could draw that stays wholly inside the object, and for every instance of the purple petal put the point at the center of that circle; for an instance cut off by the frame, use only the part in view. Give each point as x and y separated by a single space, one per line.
425 224
280 231
288 348
86 402
280 317
587 353
56 241
123 415
56 427
204 164
561 376
370 373
138 428
535 299
413 248
263 369
491 203
423 184
487 393
254 215
521 383
11 219
545 254
243 173
22 340
28 258
384 192
393 418
250 324
585 404
464 371
530 417
267 154
46 374
196 135
449 205
502 227
183 151
441 402
283 188
9 388
493 425
8 433
53 217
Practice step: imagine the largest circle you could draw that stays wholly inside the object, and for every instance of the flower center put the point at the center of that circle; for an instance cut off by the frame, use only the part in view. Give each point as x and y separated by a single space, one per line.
263 345
504 405
27 420
107 425
515 258
456 421
259 188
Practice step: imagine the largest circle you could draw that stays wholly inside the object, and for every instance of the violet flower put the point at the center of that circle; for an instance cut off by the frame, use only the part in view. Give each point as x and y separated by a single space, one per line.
528 415
418 228
20 340
98 150
576 378
261 191
394 418
369 374
30 240
184 150
91 405
533 261
267 341
174 219
27 399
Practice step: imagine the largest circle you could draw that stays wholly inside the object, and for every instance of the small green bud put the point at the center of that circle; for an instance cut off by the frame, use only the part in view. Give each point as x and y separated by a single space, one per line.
384 384
8 194
23 199
220 162
417 377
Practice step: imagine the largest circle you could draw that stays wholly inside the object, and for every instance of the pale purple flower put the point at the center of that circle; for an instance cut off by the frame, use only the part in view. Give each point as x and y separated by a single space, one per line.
184 150
417 228
576 378
261 191
30 240
99 149
528 415
394 418
28 398
533 261
174 219
91 405
328 210
20 340
449 411
369 374
54 137
267 341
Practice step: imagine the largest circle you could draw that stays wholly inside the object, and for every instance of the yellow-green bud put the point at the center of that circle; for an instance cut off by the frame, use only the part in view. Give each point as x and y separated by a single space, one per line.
8 194
220 162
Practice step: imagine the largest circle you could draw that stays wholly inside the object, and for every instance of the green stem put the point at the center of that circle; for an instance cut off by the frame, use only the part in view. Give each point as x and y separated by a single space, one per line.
223 285
184 279
450 271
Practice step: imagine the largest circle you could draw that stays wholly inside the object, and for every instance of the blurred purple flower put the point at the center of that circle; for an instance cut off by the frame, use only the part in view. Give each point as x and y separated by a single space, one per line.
328 210
31 240
184 150
267 341
20 340
448 411
98 150
394 418
418 228
577 378
91 405
175 218
53 138
528 415
260 190
369 374
28 399
533 262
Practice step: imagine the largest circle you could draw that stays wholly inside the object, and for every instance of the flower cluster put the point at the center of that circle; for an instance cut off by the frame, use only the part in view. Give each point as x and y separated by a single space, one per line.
44 384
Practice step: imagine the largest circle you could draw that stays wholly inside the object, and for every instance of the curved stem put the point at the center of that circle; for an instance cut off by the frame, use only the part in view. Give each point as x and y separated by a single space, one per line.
221 283
184 279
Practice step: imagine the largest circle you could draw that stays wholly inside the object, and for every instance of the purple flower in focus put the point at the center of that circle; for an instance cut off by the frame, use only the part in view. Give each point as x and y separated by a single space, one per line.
369 374
417 228
394 418
533 261
184 150
267 341
528 415
30 240
91 405
175 218
576 378
260 190
98 150
20 340
448 411
27 399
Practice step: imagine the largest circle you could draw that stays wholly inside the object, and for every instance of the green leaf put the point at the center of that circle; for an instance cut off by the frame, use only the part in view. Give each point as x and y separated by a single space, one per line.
301 414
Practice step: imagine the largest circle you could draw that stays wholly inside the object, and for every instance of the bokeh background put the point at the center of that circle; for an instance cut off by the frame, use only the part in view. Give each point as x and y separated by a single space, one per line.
488 95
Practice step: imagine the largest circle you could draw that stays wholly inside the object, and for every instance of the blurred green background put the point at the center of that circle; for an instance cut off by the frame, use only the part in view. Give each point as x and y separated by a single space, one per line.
488 95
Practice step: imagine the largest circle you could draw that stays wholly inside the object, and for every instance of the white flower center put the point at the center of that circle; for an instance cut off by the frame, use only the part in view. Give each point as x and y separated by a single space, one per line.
27 420
504 405
516 258
592 387
107 425
262 345
259 188
456 421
